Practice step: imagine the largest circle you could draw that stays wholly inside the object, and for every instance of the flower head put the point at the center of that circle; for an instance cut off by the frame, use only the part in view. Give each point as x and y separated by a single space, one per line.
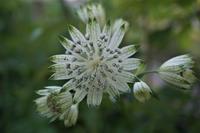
142 92
94 64
56 104
47 104
177 71
92 11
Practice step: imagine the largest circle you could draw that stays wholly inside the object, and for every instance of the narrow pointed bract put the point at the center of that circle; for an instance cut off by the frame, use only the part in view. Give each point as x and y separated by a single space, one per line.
71 115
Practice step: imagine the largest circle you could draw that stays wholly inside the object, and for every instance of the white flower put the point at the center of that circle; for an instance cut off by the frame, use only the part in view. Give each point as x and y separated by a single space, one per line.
142 92
177 71
57 104
47 105
94 63
92 11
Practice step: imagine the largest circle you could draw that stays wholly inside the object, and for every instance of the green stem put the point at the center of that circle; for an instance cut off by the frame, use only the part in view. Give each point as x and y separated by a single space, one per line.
148 72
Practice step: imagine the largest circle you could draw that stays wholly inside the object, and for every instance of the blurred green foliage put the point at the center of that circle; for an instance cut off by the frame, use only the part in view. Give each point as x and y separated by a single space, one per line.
29 31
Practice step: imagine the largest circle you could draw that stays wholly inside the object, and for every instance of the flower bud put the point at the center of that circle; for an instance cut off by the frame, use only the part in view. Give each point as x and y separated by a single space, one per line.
177 71
53 104
46 105
142 92
92 11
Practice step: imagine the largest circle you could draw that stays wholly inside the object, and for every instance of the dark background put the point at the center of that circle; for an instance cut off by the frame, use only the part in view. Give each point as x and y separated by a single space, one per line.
29 31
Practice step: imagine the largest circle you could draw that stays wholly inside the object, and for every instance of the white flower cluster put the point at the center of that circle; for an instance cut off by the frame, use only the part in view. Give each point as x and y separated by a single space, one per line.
56 104
94 64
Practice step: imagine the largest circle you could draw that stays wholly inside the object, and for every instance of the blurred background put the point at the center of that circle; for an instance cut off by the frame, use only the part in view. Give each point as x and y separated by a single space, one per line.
29 31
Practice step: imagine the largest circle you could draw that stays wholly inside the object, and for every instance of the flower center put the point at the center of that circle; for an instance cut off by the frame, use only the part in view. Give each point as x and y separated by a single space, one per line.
93 64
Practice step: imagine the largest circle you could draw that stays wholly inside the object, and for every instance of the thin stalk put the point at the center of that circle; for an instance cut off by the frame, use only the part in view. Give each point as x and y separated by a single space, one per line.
147 72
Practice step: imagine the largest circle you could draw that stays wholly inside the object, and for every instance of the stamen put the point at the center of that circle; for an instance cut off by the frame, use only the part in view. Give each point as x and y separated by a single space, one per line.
114 65
105 39
78 42
107 50
74 59
75 67
120 69
102 36
68 66
114 79
101 58
70 72
115 56
77 50
120 61
111 52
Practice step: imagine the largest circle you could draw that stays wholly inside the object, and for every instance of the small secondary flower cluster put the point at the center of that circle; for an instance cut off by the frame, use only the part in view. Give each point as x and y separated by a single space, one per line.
93 64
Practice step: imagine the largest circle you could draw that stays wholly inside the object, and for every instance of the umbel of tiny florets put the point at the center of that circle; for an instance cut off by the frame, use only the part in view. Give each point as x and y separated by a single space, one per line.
94 64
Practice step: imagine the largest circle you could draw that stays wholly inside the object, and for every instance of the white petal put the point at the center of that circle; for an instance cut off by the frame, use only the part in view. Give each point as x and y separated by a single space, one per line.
93 29
123 75
131 64
120 85
65 67
182 60
107 32
128 51
76 35
175 79
173 68
126 77
118 23
82 13
64 100
49 89
63 58
66 43
113 93
117 37
94 96
79 95
71 115
61 75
